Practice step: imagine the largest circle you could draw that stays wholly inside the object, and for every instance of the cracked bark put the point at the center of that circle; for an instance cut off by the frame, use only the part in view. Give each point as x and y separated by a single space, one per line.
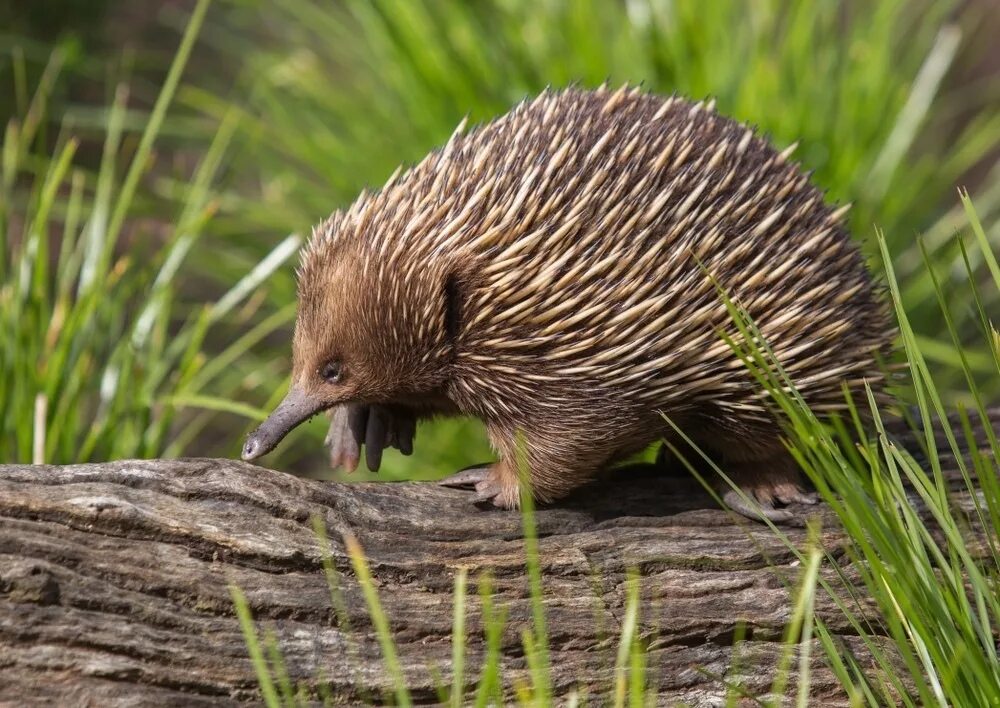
114 584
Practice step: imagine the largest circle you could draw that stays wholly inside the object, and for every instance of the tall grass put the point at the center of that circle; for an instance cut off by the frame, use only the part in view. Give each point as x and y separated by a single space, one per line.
335 95
98 351
929 563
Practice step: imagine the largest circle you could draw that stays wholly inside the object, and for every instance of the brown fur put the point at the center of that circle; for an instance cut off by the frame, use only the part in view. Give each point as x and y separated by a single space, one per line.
546 273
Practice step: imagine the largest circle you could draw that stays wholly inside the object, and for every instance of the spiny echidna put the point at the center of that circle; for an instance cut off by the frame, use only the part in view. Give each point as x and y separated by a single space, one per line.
556 273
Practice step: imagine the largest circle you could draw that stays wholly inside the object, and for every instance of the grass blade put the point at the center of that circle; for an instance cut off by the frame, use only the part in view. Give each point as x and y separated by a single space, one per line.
458 640
267 690
379 619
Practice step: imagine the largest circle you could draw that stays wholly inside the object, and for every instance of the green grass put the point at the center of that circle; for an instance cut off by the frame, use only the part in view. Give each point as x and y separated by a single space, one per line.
490 688
458 640
932 574
260 663
381 622
100 351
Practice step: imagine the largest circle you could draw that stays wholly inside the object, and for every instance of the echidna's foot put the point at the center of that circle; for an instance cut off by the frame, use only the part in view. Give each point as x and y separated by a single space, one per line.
490 483
794 494
466 478
758 504
755 509
374 426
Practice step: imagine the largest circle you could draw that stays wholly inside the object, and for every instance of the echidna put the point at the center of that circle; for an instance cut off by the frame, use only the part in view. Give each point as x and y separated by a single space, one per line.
556 273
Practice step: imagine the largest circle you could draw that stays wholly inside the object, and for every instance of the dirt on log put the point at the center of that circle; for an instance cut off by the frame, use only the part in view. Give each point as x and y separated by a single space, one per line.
114 585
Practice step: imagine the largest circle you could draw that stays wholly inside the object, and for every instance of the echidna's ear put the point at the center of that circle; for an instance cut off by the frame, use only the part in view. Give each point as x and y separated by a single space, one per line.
454 301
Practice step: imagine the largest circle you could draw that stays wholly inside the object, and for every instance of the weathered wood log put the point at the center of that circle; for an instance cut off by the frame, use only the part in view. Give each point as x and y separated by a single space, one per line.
114 584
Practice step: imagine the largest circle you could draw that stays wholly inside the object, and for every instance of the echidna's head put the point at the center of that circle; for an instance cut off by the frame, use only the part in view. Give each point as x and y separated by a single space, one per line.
372 327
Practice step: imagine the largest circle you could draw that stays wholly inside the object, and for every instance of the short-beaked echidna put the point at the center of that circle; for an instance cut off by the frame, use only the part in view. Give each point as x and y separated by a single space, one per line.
556 273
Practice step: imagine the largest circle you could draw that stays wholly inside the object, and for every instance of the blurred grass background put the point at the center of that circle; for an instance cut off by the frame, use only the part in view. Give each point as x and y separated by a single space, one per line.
148 227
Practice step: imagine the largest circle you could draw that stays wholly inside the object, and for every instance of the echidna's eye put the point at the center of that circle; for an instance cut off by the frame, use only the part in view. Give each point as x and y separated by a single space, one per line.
332 372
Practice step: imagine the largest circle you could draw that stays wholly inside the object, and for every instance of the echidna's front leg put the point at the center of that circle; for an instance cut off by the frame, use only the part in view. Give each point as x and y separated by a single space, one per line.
344 448
553 469
495 484
376 427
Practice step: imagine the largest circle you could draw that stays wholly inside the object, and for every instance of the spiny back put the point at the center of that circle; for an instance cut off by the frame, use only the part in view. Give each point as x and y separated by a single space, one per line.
582 225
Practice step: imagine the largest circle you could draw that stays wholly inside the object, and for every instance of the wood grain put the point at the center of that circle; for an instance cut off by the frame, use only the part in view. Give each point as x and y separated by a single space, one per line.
114 584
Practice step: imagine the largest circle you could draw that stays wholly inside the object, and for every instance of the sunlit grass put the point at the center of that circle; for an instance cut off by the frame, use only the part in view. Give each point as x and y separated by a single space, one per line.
930 566
99 351
332 97
458 640
261 668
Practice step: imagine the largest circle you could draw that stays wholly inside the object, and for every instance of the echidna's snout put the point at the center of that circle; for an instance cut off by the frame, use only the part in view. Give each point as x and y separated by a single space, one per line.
296 408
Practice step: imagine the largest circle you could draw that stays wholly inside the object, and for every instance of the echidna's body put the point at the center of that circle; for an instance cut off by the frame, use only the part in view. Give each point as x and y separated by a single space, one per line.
548 272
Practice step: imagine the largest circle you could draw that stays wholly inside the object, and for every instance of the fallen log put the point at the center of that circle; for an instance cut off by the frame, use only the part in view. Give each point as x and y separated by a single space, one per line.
114 585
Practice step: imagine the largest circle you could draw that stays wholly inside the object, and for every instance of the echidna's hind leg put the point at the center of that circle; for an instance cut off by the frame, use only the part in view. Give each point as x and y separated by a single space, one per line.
764 482
466 478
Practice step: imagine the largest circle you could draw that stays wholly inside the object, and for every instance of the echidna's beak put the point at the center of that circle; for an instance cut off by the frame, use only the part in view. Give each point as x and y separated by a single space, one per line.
296 408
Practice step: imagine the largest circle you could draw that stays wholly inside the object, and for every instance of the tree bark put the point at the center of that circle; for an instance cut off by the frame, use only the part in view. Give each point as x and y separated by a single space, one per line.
114 585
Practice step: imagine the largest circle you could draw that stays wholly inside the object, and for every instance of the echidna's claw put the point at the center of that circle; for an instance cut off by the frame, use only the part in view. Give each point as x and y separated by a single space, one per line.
792 494
467 478
405 428
374 426
488 494
357 421
344 447
376 436
759 511
488 485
